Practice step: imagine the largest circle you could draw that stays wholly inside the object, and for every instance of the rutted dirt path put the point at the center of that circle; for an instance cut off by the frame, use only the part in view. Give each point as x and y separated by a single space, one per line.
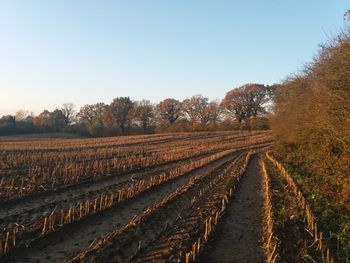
58 246
238 237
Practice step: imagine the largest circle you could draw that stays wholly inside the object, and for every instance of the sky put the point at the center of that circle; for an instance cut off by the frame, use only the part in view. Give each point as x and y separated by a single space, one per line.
82 51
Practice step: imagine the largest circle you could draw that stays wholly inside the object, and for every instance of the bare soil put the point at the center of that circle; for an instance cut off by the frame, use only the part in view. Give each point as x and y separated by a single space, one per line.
163 232
238 237
31 207
61 244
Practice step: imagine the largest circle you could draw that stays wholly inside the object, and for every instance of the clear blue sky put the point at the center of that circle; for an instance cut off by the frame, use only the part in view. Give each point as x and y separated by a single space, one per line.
56 51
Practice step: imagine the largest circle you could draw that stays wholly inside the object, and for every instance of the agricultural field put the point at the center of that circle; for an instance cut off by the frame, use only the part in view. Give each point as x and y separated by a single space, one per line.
185 197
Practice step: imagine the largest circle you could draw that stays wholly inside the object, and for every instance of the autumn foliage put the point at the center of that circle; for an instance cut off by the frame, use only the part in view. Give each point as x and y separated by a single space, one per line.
247 101
312 126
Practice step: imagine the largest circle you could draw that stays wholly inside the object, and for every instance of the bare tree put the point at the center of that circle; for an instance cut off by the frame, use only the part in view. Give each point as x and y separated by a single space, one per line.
213 112
91 115
195 109
144 112
68 112
169 110
347 15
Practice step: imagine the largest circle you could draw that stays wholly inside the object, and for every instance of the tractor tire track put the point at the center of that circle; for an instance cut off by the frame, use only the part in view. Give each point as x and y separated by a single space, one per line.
238 237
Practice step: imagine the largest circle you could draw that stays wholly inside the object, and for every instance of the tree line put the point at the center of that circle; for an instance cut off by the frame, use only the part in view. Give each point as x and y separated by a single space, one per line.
245 107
